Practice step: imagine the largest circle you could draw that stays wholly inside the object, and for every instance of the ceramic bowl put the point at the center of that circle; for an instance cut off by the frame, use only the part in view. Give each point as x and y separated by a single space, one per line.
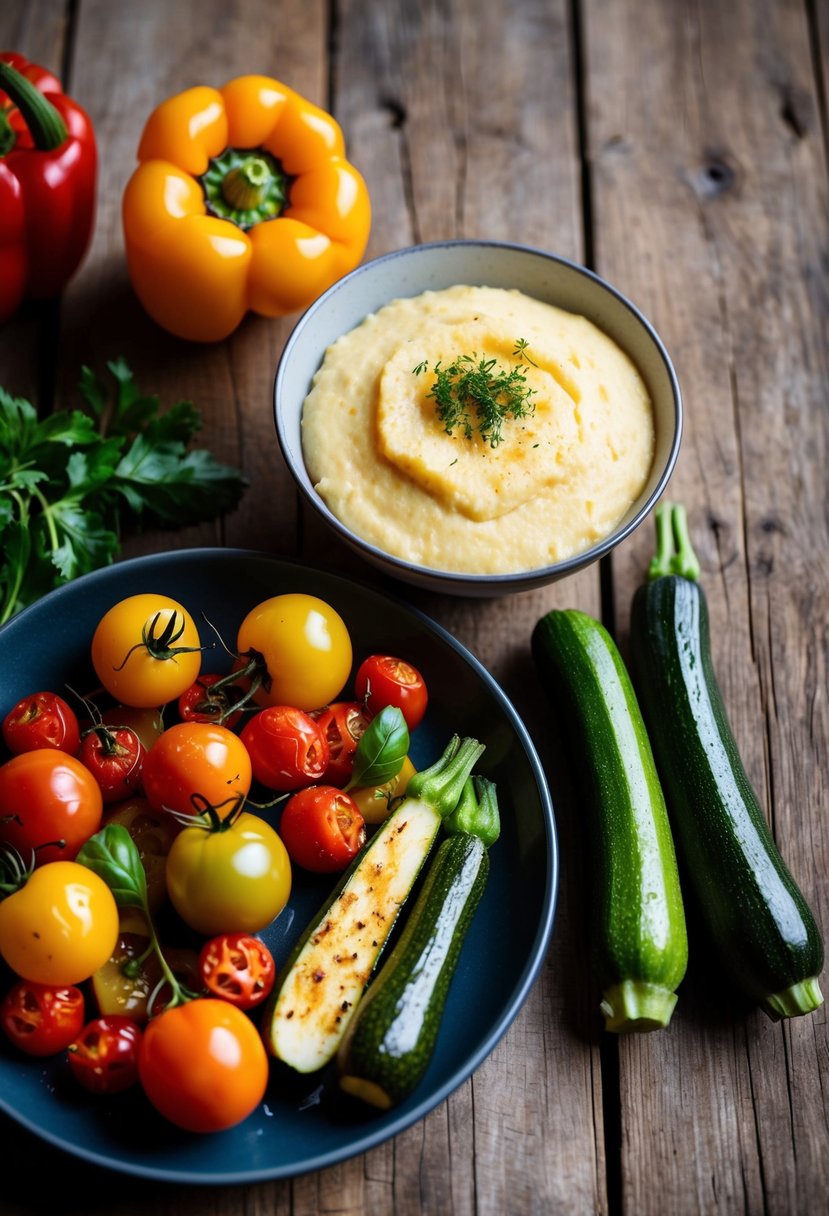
408 272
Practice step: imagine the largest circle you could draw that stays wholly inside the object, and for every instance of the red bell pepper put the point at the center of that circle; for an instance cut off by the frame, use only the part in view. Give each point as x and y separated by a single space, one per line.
48 172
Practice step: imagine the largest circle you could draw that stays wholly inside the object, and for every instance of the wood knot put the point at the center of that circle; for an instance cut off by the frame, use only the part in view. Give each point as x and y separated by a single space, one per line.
396 111
716 176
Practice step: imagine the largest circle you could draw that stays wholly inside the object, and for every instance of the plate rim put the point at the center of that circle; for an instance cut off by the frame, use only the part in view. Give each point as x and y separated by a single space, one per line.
528 976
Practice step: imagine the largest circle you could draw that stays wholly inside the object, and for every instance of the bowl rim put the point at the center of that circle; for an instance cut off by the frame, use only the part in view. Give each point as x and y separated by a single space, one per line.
446 579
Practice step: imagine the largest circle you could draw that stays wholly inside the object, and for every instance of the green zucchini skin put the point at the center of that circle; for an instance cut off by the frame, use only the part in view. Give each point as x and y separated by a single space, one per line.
640 940
755 912
392 1035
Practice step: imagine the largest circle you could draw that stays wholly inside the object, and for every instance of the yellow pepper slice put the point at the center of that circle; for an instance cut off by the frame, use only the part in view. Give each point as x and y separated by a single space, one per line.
242 200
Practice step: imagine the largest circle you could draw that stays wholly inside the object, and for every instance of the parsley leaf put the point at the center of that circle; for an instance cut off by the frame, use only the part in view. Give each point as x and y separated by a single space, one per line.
71 481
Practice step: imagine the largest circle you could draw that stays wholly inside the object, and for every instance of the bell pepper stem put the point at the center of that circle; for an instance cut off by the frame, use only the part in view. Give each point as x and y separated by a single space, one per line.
47 128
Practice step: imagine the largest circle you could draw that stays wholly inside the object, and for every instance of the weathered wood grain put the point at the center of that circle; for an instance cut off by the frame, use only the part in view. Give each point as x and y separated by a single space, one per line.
710 210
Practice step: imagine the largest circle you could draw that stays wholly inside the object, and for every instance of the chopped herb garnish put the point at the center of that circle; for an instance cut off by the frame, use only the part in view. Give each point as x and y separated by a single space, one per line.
476 394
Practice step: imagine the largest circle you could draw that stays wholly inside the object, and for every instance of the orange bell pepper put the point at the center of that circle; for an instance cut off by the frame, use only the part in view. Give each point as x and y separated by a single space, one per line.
242 200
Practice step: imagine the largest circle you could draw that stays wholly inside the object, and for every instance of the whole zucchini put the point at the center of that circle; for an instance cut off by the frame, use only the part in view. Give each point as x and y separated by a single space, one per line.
754 910
641 947
391 1038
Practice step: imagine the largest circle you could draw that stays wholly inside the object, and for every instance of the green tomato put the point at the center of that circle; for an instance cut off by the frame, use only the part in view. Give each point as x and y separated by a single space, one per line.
231 878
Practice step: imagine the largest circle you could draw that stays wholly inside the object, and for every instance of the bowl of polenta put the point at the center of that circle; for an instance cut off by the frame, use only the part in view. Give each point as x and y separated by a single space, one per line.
477 417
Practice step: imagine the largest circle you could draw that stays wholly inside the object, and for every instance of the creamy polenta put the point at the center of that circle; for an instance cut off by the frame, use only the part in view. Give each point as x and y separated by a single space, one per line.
559 480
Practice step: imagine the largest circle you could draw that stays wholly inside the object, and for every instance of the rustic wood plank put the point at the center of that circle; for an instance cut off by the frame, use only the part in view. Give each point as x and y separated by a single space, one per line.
231 382
710 210
447 152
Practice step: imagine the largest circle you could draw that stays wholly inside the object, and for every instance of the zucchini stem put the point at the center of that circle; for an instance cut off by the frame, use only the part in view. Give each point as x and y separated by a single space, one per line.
442 784
637 1005
674 551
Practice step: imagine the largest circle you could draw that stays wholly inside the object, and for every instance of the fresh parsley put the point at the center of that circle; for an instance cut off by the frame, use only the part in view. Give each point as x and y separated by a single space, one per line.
71 481
477 394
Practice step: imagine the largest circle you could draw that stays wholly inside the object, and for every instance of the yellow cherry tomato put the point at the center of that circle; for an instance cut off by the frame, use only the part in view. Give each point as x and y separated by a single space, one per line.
146 650
61 926
305 646
374 801
229 879
153 832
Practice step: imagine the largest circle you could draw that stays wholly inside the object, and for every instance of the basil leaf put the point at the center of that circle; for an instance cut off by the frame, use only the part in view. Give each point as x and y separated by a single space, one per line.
381 750
113 855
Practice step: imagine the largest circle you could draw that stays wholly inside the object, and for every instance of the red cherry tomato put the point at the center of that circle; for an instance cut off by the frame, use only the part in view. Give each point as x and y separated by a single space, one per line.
286 746
114 756
104 1055
203 702
322 829
41 720
343 724
48 796
42 1019
238 968
203 1065
383 680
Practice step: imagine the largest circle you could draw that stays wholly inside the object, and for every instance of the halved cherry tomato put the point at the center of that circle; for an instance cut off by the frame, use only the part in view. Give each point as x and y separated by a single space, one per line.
147 723
60 926
103 1057
47 796
42 719
42 1019
146 650
286 746
322 829
343 723
238 968
204 702
383 680
193 763
304 645
203 1065
114 756
129 977
153 832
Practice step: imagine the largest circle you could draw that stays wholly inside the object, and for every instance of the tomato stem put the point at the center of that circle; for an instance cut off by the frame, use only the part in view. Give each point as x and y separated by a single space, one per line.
162 646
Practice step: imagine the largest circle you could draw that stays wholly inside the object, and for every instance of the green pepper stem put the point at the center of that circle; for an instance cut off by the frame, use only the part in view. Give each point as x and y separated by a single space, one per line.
246 186
674 551
47 128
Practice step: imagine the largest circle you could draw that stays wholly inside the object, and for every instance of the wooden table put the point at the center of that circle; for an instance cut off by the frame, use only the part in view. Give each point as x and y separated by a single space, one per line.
680 150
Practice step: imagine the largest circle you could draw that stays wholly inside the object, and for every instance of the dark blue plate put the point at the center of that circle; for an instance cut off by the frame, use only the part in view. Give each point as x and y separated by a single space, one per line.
303 1123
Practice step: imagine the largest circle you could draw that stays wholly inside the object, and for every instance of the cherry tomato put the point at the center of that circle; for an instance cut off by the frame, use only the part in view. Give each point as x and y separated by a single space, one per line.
374 802
238 968
147 723
145 650
343 723
196 760
114 756
153 832
203 1065
383 680
305 646
103 1056
286 746
60 926
41 720
204 702
236 879
322 829
47 796
127 980
42 1019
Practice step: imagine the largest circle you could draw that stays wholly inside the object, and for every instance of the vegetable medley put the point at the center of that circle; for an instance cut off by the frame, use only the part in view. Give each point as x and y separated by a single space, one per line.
153 824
